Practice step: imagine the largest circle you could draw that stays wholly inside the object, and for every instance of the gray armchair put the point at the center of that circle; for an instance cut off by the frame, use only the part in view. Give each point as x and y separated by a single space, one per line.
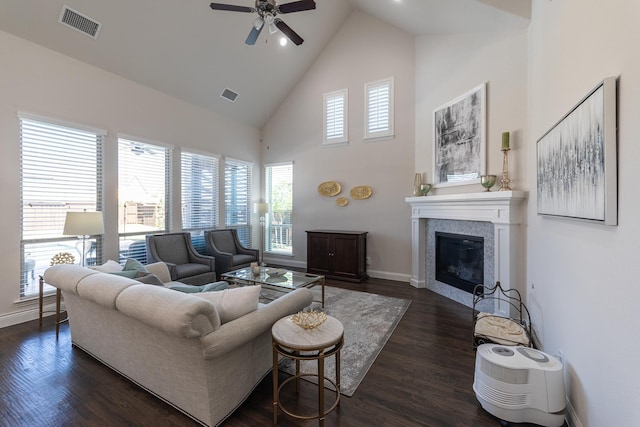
185 264
226 248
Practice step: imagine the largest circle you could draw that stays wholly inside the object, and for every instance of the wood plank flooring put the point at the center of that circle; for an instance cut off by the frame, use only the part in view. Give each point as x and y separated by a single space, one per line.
422 377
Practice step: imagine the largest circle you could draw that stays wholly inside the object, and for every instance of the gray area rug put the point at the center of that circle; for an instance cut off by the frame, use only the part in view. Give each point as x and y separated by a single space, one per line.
368 320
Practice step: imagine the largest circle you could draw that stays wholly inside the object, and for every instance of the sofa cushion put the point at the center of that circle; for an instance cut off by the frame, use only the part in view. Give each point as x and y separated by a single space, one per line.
160 270
108 267
233 303
148 278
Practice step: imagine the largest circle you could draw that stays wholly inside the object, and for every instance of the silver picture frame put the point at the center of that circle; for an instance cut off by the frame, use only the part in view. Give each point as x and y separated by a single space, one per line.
577 160
459 139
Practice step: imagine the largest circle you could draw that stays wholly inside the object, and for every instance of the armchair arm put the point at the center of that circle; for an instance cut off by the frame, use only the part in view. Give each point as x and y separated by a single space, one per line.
197 258
172 270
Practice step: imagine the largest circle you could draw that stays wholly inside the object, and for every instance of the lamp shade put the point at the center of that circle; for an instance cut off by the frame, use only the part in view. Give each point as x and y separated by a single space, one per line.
261 208
83 224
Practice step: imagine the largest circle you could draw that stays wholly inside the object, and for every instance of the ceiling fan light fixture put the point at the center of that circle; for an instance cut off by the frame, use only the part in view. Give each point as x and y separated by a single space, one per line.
283 41
258 23
272 28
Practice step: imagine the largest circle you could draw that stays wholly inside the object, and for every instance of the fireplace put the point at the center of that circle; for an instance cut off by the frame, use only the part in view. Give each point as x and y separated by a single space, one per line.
459 260
496 216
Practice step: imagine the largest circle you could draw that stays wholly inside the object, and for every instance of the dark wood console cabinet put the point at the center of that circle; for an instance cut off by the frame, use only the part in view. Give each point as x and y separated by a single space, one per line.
335 254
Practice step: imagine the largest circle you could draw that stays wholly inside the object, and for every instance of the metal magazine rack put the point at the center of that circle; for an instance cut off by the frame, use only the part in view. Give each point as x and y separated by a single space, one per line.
491 328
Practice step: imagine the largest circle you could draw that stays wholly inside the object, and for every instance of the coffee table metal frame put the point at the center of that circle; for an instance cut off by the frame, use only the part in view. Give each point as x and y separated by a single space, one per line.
289 281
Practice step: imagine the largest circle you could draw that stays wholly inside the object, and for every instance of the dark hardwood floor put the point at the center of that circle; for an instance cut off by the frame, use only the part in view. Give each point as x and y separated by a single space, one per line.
422 377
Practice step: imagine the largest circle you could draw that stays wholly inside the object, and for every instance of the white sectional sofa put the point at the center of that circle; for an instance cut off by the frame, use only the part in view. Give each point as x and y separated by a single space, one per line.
173 344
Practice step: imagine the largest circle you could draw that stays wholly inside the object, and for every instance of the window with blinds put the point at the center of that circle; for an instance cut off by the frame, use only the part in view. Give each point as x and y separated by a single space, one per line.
199 188
237 198
144 180
60 171
335 117
279 196
379 109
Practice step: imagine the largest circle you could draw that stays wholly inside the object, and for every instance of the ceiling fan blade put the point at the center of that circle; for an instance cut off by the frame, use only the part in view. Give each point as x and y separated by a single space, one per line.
287 31
297 6
231 7
253 35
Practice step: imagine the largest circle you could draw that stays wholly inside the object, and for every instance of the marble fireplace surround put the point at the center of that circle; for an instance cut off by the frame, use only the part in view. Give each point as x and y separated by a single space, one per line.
503 209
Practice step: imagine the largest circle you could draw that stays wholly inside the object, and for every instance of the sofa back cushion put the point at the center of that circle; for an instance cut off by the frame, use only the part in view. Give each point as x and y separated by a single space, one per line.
233 303
173 312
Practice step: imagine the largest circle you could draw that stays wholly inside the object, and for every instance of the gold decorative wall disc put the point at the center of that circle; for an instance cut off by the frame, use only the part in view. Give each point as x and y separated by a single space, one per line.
361 192
342 201
329 188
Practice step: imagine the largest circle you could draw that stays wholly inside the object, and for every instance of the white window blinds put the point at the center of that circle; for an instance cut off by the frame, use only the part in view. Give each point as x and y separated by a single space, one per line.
379 109
60 171
335 117
237 198
199 187
143 194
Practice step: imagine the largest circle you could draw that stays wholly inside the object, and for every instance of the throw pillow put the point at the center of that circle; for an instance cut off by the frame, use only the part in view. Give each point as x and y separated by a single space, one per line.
190 289
148 278
134 264
233 303
108 267
215 286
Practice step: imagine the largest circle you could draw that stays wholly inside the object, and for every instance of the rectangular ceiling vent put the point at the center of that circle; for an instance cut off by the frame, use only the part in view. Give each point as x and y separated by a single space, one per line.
79 22
229 95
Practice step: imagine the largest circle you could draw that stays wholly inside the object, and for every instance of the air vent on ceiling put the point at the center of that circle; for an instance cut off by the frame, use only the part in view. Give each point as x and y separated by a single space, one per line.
79 22
229 95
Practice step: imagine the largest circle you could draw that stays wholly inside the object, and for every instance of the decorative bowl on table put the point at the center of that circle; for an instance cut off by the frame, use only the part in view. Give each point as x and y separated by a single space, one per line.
309 319
276 272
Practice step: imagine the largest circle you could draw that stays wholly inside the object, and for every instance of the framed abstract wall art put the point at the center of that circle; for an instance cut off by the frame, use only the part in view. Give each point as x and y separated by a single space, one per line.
459 128
577 160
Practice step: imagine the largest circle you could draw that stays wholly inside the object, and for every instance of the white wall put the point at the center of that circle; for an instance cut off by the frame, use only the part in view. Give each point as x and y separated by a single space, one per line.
364 50
42 82
448 66
586 297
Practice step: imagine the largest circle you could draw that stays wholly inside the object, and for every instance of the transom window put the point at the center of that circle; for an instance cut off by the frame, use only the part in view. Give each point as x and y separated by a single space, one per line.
379 109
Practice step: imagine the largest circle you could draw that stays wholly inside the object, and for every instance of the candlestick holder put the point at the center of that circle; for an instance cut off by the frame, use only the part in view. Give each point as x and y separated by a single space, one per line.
505 171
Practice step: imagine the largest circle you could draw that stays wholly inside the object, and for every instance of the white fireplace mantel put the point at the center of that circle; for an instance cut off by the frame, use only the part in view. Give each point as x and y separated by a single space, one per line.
504 209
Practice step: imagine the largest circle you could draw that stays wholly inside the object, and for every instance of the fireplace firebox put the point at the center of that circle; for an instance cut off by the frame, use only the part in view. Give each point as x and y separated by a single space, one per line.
459 260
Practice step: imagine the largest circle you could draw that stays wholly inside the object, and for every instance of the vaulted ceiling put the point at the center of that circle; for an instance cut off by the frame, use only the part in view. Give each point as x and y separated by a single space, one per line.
189 51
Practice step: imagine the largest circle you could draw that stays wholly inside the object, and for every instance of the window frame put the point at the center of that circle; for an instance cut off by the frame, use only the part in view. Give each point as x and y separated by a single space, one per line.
168 199
279 233
384 134
51 133
343 136
244 229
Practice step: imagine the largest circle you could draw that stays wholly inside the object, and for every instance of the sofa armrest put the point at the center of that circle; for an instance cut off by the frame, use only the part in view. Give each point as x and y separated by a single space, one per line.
232 334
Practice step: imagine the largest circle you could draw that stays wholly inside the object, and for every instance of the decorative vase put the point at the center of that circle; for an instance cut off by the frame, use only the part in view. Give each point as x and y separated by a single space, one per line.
417 182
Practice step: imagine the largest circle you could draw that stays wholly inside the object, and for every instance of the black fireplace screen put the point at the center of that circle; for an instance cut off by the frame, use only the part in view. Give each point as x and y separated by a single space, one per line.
459 260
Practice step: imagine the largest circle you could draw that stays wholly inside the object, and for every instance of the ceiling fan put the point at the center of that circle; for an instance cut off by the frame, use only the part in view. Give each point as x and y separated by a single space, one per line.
267 11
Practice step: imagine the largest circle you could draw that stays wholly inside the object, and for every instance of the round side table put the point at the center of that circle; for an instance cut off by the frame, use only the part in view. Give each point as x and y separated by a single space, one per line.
296 343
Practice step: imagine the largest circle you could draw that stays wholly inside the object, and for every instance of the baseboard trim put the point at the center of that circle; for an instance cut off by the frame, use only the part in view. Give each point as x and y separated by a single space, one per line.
18 317
572 417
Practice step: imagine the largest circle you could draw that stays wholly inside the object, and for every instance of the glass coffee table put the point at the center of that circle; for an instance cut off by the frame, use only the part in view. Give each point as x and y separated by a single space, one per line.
287 282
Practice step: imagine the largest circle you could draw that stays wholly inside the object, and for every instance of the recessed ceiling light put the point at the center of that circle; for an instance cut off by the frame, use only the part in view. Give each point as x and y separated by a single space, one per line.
283 41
